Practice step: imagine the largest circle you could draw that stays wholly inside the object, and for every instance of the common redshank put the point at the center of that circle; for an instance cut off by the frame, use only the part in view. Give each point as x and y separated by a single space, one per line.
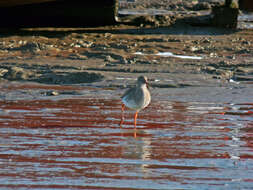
136 98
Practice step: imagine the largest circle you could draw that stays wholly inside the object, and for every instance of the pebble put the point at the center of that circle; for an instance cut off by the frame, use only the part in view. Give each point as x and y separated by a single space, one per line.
174 40
244 70
243 51
201 6
196 48
110 64
18 73
108 58
224 63
209 69
22 42
85 44
29 46
52 93
77 56
213 54
3 72
206 41
246 42
124 61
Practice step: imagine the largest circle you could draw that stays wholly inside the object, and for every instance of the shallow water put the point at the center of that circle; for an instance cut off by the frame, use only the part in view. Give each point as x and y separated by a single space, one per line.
75 142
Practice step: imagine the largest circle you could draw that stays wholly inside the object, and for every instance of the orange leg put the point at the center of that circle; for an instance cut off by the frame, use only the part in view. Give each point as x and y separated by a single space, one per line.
135 118
122 115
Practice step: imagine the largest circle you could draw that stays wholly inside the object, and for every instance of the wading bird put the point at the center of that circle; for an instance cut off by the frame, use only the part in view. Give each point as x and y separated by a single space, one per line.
136 98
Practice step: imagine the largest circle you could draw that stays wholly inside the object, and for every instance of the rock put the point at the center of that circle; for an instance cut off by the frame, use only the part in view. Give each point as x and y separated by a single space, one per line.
76 45
156 20
201 6
50 77
77 56
226 74
52 93
225 16
196 48
112 57
224 63
160 85
245 42
243 78
207 41
18 73
244 70
69 78
110 64
2 45
213 54
85 44
163 19
29 47
108 58
125 61
174 40
3 72
243 51
221 64
22 42
231 57
209 69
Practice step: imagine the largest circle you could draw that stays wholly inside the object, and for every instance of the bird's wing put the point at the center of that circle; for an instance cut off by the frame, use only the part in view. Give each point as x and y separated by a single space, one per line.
128 92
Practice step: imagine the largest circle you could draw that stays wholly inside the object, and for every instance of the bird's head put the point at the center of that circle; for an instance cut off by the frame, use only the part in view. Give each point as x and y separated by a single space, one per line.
142 80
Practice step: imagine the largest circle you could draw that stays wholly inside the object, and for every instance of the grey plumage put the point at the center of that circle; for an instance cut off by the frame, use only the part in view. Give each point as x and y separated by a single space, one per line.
138 97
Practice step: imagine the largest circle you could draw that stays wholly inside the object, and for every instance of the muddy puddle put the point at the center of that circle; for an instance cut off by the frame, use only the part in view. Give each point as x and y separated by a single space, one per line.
73 141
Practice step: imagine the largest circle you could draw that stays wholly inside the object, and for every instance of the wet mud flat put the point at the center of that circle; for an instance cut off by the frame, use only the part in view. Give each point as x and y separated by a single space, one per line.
216 53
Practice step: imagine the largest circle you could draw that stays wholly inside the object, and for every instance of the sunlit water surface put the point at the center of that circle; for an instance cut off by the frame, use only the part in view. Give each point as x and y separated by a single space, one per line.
75 142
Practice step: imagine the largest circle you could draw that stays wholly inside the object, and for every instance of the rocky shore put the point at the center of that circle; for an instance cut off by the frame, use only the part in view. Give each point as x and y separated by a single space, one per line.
84 55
